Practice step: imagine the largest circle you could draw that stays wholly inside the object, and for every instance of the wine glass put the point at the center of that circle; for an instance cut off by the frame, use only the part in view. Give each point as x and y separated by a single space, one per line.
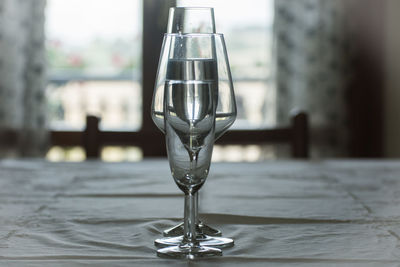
190 99
191 20
199 20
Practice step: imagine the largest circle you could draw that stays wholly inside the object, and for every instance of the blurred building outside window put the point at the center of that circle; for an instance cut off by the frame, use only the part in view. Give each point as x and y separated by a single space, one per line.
94 67
247 28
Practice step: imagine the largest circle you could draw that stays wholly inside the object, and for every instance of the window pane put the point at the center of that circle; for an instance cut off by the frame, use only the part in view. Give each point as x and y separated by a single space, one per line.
250 153
57 153
118 103
94 62
247 27
118 153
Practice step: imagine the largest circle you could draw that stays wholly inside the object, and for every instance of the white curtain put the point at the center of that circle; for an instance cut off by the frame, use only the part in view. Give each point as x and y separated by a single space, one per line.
312 70
22 76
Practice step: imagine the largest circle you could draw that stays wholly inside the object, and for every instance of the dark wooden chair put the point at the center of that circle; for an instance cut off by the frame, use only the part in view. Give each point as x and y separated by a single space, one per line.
296 135
92 139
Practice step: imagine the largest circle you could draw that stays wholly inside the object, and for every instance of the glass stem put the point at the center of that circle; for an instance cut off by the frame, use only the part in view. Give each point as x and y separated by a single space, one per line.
199 233
189 235
196 207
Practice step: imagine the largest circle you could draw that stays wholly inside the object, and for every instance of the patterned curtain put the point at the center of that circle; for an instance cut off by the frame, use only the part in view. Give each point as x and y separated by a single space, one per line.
312 70
22 76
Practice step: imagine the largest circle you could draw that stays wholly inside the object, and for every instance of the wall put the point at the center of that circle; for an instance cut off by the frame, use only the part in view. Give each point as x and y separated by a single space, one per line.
392 81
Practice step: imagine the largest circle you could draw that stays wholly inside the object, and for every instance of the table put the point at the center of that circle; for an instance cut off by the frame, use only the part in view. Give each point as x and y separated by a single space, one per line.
281 213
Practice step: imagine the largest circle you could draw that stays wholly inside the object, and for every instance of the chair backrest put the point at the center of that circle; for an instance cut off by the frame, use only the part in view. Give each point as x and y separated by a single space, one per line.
92 139
296 135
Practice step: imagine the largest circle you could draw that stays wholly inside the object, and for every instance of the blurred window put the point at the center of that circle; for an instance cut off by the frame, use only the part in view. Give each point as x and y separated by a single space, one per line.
247 27
94 63
94 67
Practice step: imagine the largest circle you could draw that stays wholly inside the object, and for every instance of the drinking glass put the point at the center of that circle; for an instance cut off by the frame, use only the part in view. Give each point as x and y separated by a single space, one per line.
224 117
191 20
198 20
190 97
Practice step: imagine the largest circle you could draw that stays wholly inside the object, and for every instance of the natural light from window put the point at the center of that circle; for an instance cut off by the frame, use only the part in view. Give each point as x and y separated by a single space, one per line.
94 67
94 63
247 27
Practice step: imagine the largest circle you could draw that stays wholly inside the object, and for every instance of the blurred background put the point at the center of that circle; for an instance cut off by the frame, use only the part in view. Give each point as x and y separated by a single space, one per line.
336 60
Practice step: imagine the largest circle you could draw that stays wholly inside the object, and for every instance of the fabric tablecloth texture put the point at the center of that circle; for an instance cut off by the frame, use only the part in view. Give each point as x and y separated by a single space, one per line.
303 213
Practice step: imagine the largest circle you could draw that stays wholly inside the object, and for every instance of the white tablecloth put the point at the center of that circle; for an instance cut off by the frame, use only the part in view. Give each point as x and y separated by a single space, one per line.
328 213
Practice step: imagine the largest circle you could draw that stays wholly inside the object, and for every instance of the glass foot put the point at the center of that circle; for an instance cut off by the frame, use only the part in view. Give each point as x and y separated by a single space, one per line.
203 228
188 252
205 240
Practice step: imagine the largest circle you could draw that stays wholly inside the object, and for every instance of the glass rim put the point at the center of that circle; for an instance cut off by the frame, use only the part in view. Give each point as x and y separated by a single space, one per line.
191 7
193 34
